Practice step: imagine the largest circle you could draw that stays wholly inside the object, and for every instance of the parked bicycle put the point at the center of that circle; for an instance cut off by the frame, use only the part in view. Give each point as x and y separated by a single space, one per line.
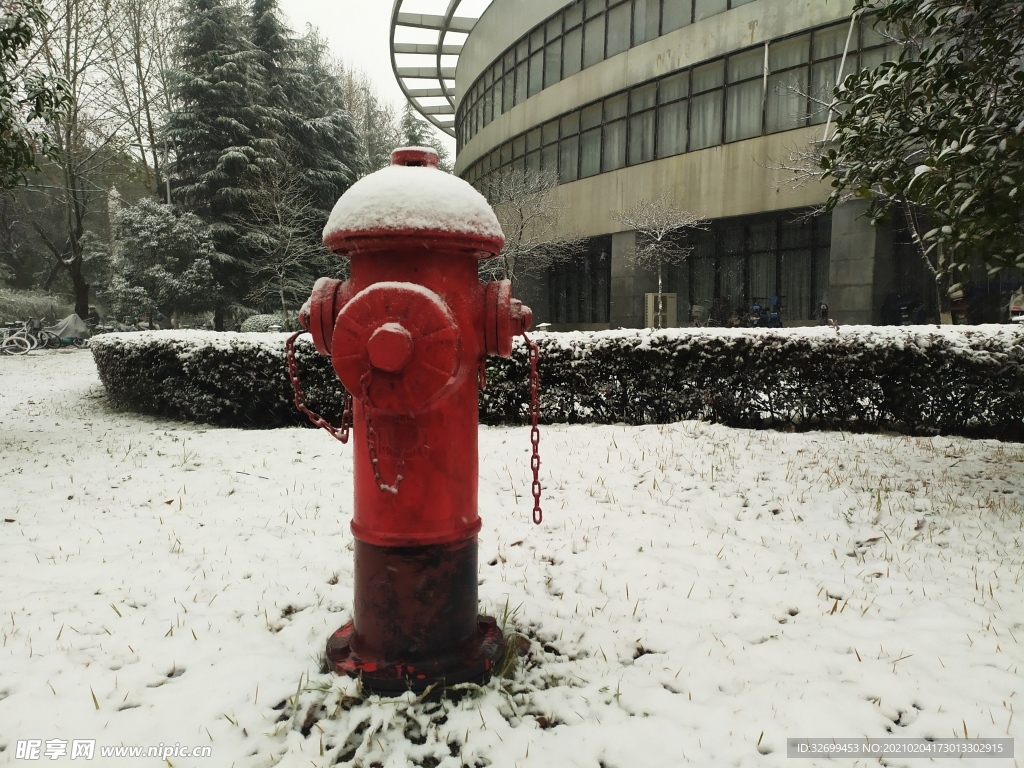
30 331
35 336
14 342
72 331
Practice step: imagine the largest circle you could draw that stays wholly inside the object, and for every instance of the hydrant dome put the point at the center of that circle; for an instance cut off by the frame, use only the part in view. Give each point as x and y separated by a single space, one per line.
411 198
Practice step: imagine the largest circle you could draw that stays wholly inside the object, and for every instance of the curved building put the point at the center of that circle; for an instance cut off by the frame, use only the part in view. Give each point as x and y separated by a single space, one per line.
627 100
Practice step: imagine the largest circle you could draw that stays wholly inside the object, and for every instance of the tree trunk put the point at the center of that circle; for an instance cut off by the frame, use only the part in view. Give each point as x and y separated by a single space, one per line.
939 270
52 274
942 283
81 295
661 298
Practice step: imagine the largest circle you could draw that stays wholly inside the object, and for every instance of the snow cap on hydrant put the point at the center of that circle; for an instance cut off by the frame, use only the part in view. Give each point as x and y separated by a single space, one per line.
411 199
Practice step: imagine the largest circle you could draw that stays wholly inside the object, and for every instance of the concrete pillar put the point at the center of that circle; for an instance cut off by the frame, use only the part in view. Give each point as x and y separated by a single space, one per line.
629 283
860 266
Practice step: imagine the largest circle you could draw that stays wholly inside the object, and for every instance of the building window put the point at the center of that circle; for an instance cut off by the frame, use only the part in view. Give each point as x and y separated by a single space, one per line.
723 100
618 29
743 105
579 289
786 99
674 15
536 81
553 63
589 31
568 160
572 52
646 18
748 259
590 153
593 41
827 50
704 8
706 105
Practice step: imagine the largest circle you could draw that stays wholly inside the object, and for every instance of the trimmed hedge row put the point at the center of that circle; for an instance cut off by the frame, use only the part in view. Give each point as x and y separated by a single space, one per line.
227 379
966 380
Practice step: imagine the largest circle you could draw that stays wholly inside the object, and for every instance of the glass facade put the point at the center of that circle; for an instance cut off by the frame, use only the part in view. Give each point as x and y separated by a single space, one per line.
744 259
590 31
579 291
578 36
775 86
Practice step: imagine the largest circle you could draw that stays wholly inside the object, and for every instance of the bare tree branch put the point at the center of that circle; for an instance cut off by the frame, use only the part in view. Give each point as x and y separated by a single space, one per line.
661 227
529 212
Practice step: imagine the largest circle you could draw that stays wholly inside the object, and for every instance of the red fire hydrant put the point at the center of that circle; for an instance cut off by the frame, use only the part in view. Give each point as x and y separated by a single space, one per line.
407 335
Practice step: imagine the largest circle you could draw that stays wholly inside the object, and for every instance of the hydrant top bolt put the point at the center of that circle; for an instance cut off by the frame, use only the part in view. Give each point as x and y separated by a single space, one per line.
390 347
415 156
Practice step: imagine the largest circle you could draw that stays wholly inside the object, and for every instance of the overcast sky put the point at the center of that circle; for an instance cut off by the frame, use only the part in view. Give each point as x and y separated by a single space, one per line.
358 32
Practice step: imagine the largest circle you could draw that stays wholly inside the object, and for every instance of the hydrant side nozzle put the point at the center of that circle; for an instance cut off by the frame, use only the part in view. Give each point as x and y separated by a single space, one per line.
504 318
522 318
320 310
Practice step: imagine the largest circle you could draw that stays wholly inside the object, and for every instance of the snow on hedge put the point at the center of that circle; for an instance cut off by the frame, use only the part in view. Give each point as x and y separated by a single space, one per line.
920 380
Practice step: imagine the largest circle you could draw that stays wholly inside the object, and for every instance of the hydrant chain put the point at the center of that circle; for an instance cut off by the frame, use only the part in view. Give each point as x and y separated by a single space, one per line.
371 439
534 353
338 433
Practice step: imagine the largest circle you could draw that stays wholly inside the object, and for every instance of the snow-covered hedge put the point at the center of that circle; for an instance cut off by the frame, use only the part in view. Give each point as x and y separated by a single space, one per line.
228 379
966 380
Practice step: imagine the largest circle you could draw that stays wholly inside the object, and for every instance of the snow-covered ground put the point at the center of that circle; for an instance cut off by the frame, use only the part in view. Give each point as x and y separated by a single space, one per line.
695 596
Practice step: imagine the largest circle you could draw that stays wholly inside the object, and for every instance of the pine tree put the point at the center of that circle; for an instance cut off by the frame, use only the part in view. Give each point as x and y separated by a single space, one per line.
307 128
416 132
322 142
213 129
211 124
311 130
313 151
274 55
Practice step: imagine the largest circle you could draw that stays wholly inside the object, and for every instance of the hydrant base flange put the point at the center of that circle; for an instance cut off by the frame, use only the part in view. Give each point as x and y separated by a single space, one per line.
474 661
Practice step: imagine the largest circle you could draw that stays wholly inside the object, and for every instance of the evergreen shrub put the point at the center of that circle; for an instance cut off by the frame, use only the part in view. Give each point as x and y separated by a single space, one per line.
226 379
923 380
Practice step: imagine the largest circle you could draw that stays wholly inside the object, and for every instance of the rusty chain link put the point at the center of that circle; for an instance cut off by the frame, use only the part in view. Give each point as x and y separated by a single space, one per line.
371 439
534 353
338 433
